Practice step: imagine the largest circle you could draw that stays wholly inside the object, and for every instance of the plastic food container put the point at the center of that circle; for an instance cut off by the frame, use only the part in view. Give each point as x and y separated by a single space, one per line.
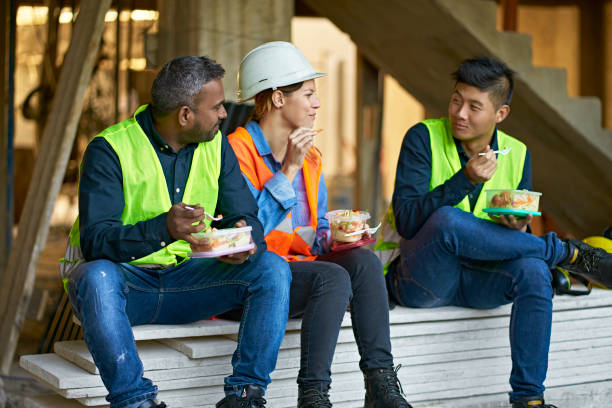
342 222
513 199
223 242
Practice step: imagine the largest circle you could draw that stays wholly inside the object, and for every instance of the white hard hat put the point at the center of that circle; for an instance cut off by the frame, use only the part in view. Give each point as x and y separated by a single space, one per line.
270 66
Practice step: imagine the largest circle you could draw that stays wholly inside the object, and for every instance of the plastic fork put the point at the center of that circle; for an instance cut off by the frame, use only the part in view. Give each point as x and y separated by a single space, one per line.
372 231
503 152
210 217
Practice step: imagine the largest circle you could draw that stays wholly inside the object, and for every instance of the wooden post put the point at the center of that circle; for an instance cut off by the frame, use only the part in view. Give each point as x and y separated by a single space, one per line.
48 71
49 170
117 60
510 11
370 87
8 12
592 52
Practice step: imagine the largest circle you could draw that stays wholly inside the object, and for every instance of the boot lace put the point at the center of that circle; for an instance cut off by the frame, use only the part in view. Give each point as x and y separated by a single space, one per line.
314 398
257 402
390 388
589 259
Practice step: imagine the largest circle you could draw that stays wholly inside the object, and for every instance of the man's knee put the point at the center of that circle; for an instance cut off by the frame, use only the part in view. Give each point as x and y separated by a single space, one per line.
274 274
443 219
533 276
96 275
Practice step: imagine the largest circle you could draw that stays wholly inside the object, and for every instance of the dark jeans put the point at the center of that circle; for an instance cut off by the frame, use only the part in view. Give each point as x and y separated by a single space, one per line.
320 292
458 259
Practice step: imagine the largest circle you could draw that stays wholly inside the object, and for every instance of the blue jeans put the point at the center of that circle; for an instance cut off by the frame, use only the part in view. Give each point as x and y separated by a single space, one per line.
109 298
458 259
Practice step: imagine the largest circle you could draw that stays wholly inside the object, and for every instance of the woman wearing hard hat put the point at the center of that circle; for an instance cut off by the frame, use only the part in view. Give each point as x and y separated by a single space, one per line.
283 170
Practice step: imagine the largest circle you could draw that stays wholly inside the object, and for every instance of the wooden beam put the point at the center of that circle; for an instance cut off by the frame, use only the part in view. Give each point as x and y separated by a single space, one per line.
57 141
7 62
592 52
510 11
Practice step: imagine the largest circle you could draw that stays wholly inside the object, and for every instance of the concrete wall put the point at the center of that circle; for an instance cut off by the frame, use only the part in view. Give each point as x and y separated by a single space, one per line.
222 29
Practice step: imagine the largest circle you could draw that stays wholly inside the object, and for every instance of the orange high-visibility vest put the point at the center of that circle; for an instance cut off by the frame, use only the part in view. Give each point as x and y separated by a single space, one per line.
292 244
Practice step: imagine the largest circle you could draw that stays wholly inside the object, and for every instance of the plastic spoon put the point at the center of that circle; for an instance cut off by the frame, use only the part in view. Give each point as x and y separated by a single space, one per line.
502 152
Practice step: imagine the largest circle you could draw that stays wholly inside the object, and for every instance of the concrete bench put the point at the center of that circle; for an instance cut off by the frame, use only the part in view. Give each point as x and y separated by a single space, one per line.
451 357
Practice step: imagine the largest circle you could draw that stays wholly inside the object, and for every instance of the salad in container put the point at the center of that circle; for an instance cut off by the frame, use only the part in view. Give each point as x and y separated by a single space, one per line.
513 202
343 222
219 242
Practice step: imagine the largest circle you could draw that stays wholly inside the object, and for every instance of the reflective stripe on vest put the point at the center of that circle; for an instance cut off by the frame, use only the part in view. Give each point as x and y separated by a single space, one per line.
445 163
293 244
145 190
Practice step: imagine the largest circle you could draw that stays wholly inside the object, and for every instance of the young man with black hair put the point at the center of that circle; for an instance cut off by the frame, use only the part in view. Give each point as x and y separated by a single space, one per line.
440 248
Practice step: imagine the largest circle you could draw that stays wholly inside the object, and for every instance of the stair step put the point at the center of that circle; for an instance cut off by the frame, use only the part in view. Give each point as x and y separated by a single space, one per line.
221 327
572 395
584 114
477 15
549 83
61 374
444 352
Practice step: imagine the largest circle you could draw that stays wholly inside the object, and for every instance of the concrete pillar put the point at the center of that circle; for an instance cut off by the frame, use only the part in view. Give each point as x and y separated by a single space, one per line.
225 30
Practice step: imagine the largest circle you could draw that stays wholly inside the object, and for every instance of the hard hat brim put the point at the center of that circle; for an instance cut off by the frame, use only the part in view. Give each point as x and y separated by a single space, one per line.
260 87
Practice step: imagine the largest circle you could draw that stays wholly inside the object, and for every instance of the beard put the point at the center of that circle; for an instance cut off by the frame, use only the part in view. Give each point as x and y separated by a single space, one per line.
197 134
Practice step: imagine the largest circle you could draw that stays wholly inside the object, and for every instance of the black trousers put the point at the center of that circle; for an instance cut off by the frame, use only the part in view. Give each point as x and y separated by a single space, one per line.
320 293
321 290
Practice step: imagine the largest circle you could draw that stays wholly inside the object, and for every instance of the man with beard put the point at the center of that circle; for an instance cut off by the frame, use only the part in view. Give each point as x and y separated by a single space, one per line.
144 187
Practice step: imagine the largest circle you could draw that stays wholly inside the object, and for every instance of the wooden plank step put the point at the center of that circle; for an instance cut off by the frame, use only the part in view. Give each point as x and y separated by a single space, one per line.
399 315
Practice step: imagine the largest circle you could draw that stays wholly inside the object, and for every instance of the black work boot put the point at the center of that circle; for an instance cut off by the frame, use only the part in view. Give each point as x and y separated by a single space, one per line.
594 264
532 402
313 397
152 404
383 389
251 397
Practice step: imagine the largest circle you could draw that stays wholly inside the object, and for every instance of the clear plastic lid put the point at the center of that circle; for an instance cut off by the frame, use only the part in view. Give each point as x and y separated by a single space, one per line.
222 232
513 199
495 191
347 215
